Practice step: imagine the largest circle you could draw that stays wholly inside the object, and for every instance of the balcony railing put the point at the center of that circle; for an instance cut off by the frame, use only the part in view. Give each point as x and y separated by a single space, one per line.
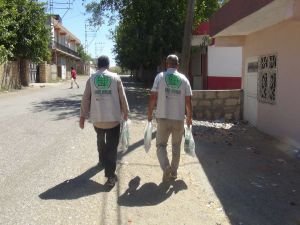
65 49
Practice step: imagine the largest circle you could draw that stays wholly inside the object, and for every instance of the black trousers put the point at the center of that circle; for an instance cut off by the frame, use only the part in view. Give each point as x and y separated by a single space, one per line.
107 142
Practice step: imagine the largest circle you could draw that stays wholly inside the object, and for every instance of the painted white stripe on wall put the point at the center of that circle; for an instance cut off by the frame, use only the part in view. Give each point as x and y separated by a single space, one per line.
225 61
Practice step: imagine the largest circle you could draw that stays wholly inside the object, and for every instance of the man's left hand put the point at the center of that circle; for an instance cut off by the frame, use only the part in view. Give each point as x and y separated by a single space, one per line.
81 122
189 121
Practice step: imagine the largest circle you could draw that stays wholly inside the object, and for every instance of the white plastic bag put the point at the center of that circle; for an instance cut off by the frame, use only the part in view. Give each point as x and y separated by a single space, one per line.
189 143
148 136
124 136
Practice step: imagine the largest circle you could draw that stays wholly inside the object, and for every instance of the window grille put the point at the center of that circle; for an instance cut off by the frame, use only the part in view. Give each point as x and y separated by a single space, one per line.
267 73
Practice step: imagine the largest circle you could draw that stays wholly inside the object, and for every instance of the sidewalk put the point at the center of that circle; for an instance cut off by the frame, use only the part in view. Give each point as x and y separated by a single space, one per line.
240 176
37 86
32 86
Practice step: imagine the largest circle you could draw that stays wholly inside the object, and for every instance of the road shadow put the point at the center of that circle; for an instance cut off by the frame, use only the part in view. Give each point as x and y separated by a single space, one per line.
149 194
137 95
62 108
81 185
77 187
70 107
132 147
255 181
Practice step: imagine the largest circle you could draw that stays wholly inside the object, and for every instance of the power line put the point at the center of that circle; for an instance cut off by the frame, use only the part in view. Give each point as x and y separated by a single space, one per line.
62 5
88 32
98 48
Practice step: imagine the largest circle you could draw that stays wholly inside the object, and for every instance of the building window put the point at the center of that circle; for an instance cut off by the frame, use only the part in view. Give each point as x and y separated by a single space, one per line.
267 73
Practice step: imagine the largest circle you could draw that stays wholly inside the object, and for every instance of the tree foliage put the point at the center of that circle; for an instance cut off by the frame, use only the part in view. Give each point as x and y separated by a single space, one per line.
83 55
142 39
223 2
8 25
148 30
23 28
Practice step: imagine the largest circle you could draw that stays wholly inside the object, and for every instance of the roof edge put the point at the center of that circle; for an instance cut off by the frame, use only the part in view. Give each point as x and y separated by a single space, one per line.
232 12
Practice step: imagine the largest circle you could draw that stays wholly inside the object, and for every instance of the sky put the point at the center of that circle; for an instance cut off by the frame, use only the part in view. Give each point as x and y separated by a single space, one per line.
74 20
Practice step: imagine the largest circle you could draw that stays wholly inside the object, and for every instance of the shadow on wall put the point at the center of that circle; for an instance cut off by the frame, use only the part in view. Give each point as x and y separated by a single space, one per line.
255 181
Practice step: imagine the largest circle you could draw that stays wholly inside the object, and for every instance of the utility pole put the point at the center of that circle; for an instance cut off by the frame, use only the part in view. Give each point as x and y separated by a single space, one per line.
98 48
85 38
88 33
186 44
61 6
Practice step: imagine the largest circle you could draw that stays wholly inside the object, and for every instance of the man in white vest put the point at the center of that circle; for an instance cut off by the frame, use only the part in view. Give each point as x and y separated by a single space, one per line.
105 103
171 93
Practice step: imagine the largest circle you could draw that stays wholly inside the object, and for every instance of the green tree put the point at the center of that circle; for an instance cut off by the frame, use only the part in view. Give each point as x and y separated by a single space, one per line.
23 29
8 24
24 34
33 36
204 9
84 56
223 2
148 30
142 38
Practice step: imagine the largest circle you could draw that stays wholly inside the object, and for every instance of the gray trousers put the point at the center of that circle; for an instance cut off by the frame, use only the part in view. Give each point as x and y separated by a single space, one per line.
165 128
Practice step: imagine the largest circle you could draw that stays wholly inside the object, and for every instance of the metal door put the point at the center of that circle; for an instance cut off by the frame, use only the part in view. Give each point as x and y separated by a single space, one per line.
33 72
250 90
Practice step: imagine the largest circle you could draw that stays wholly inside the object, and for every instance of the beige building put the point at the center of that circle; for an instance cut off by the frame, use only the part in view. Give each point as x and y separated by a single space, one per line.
269 32
64 46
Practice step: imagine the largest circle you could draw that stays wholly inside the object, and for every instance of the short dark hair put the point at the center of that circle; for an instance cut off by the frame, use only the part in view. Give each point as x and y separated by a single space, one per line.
173 60
103 61
72 67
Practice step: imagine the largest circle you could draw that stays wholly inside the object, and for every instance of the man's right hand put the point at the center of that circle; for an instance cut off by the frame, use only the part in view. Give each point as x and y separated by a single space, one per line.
125 117
189 121
81 122
151 105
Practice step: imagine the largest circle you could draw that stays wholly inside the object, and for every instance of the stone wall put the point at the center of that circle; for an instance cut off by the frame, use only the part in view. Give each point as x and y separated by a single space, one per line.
53 69
45 72
1 72
9 75
217 104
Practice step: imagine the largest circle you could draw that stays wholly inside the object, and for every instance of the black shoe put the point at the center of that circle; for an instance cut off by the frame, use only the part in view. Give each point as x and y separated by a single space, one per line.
111 181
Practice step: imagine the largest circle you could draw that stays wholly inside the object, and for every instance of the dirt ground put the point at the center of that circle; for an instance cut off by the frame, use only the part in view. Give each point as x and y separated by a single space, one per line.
239 176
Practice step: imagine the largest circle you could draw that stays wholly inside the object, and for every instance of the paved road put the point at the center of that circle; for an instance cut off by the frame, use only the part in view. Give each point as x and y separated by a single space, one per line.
47 173
41 147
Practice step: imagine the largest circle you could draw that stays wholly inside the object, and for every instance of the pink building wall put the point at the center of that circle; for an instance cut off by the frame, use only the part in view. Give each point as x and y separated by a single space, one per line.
283 118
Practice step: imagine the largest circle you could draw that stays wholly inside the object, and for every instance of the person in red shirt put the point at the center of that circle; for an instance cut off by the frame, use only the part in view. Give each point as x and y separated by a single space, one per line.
73 77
